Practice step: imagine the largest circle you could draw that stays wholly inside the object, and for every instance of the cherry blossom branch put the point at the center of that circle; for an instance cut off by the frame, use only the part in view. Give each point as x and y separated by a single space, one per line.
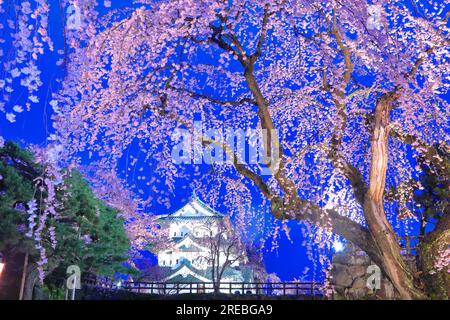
439 160
265 22
345 50
214 100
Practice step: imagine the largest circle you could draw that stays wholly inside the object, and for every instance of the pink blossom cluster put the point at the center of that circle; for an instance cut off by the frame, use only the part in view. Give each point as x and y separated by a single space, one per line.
43 214
442 259
29 39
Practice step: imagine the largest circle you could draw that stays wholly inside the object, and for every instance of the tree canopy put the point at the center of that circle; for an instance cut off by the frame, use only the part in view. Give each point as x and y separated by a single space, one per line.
349 94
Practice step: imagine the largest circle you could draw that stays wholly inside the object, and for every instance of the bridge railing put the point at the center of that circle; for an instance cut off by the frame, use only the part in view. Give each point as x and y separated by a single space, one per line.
409 245
310 289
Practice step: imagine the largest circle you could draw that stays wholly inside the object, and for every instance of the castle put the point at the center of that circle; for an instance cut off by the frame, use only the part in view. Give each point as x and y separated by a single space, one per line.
201 248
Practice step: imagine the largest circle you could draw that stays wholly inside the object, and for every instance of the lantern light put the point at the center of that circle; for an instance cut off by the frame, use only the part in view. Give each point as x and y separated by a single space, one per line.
338 246
2 264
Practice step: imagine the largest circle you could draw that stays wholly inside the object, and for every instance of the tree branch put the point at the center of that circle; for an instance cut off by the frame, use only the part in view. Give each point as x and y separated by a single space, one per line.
263 35
214 100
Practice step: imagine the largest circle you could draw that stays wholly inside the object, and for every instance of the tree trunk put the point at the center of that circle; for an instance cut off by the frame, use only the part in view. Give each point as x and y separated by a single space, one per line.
24 275
381 230
216 289
30 282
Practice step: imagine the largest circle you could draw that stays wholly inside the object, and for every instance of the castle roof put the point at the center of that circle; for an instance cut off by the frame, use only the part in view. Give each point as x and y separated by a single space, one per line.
186 272
184 279
195 209
189 243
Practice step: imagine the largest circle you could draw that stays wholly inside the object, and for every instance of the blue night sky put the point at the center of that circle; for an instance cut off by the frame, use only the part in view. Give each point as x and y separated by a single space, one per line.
33 127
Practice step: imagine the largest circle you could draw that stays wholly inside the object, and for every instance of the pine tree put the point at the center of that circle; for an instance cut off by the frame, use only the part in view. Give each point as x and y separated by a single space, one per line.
88 232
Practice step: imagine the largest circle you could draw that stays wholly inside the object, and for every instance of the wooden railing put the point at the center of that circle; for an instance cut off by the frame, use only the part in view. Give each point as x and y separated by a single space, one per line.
310 289
409 245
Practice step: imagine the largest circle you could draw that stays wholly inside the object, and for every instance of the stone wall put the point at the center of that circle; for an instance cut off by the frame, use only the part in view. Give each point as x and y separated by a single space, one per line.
349 274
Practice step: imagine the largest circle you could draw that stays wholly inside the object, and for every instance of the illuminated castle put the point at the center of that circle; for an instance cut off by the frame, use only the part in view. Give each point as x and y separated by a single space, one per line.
188 258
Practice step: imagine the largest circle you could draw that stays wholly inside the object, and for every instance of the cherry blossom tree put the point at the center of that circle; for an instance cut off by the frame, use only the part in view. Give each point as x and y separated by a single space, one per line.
355 89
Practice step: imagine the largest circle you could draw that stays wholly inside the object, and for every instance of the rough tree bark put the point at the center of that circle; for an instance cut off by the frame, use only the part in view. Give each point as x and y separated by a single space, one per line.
380 228
31 281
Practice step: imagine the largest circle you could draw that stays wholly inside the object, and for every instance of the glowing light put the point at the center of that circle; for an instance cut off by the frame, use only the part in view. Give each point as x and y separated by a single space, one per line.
338 246
2 264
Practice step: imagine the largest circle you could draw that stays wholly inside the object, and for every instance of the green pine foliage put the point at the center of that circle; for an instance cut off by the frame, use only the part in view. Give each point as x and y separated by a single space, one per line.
17 171
89 233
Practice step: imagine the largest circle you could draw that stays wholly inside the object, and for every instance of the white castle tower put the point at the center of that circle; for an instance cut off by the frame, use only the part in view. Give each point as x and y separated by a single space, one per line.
187 259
